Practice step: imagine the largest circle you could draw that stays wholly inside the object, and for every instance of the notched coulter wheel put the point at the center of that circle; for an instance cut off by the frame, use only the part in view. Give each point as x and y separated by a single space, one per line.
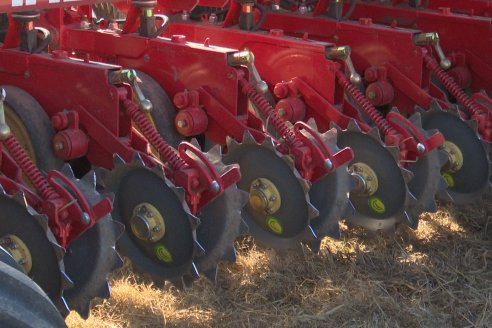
22 302
159 237
381 194
92 256
278 211
26 236
467 165
221 218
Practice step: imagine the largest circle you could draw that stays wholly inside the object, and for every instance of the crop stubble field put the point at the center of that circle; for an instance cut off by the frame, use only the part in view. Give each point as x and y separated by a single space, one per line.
437 276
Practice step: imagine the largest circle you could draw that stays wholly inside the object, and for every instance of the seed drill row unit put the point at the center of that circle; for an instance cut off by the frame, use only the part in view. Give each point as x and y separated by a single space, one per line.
168 128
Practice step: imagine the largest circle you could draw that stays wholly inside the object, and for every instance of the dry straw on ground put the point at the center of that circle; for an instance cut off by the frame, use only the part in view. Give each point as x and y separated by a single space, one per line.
438 276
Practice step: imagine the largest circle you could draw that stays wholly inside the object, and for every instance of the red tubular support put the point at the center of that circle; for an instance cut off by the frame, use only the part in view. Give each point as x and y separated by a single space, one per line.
20 156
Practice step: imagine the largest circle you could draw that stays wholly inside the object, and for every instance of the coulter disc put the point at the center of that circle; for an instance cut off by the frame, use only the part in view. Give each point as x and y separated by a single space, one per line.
220 222
329 195
159 236
92 256
22 302
467 169
278 211
26 236
381 194
426 181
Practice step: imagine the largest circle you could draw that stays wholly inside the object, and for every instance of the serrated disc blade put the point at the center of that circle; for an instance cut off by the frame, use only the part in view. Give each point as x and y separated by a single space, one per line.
282 229
382 208
470 181
169 257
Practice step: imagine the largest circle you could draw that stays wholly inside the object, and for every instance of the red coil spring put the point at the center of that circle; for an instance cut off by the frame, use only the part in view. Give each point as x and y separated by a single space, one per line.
451 85
268 111
364 104
30 169
167 152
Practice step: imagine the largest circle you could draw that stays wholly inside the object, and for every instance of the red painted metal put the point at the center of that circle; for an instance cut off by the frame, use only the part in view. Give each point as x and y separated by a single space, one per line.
281 58
377 49
468 7
184 68
466 39
90 98
56 200
7 6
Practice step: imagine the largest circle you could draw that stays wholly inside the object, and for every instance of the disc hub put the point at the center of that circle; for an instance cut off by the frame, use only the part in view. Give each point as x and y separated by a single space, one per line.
455 157
264 196
147 223
18 250
366 178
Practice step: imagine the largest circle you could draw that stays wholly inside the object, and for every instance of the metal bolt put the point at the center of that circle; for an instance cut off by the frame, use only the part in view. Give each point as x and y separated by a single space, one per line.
215 186
328 164
22 261
86 219
275 7
59 145
84 23
355 78
371 95
185 16
420 148
261 87
14 246
145 106
212 18
182 124
445 64
156 229
272 198
303 9
369 178
281 112
263 186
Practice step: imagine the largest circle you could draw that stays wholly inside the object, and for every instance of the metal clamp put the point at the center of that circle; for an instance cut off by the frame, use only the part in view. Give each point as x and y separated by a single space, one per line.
130 76
343 53
432 38
247 58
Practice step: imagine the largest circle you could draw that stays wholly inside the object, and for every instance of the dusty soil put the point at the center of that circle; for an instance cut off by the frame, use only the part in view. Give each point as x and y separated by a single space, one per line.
437 276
